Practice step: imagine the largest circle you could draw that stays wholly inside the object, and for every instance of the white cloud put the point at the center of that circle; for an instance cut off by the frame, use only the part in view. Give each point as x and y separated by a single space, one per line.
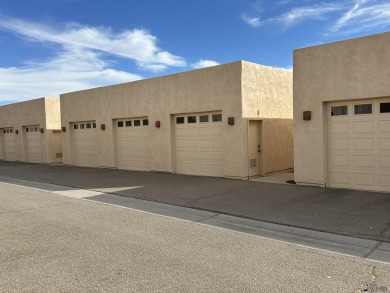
204 63
69 71
138 45
252 21
362 18
317 12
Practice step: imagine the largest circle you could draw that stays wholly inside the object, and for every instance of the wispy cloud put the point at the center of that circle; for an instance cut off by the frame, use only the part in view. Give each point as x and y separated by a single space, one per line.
252 21
69 71
81 58
204 63
317 12
364 15
138 45
341 17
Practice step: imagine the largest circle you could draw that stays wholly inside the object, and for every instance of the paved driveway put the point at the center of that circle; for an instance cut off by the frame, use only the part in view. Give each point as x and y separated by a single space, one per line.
347 212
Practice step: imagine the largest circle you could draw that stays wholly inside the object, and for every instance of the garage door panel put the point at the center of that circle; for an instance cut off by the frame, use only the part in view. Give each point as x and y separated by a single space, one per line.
337 128
384 144
363 127
339 160
340 178
364 144
384 127
384 162
364 161
364 179
9 146
339 144
205 155
384 181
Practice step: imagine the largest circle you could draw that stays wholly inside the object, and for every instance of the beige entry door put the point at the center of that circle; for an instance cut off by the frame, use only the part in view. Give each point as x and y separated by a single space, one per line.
255 147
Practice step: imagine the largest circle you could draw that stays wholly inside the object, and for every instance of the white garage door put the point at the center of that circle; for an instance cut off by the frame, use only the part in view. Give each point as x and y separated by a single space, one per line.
199 144
9 144
359 144
33 144
132 141
84 144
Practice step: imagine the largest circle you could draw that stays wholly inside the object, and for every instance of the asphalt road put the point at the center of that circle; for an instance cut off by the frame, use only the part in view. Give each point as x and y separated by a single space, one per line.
50 243
358 214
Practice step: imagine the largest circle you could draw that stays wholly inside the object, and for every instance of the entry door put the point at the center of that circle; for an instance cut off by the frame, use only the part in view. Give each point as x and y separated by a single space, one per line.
9 144
33 144
255 147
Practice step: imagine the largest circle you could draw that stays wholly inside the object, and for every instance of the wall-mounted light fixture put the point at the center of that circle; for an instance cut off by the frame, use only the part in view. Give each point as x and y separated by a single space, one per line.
16 131
42 130
306 115
103 126
157 124
63 128
230 120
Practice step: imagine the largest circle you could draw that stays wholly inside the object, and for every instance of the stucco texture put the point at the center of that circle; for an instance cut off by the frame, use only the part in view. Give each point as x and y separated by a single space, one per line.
44 112
218 88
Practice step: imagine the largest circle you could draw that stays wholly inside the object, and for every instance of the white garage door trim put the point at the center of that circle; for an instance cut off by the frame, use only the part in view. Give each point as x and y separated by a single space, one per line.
199 144
9 144
359 144
33 144
84 144
133 143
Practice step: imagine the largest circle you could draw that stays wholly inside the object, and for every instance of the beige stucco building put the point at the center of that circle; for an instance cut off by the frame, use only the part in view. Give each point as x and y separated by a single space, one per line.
30 131
231 120
345 88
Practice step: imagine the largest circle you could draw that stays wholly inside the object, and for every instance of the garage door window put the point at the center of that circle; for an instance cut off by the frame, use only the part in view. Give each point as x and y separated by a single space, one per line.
128 123
217 117
88 125
191 119
120 123
339 110
137 122
179 120
75 126
204 118
363 109
384 107
145 122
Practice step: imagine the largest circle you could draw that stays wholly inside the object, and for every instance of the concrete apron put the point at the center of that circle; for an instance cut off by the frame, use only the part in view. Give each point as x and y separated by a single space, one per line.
367 249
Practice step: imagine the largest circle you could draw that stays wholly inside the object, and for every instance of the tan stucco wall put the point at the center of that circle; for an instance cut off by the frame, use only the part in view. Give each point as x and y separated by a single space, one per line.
210 89
278 146
30 113
219 88
347 70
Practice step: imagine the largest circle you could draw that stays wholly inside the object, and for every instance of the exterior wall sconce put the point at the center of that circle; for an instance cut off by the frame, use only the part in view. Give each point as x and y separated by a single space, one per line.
230 120
103 126
306 115
16 131
42 130
157 124
63 128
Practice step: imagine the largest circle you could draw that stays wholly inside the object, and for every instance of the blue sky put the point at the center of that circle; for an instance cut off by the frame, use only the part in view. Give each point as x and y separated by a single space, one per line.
48 47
